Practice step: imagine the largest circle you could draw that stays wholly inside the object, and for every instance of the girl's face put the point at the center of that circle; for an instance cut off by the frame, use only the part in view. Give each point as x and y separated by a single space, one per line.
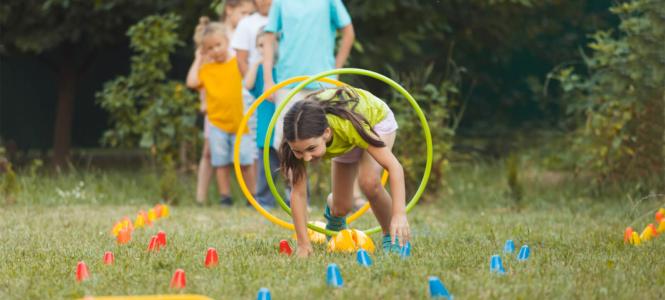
215 46
235 14
311 149
263 6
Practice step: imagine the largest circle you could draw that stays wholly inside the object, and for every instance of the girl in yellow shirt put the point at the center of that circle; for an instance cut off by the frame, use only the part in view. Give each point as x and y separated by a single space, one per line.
357 130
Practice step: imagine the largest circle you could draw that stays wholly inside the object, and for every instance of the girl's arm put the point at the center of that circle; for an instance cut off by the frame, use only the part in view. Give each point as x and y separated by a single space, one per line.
348 36
299 212
250 76
193 74
268 62
399 226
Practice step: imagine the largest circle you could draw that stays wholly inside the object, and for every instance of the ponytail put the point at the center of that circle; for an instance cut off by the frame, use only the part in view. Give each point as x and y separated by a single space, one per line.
343 104
307 119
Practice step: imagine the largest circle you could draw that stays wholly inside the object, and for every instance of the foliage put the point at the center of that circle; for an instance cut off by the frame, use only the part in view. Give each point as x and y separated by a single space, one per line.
145 108
507 48
9 186
620 105
440 99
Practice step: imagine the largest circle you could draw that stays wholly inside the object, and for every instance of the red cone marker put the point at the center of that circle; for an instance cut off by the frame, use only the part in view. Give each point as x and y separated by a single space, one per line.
161 238
178 281
211 258
284 247
108 258
154 244
81 271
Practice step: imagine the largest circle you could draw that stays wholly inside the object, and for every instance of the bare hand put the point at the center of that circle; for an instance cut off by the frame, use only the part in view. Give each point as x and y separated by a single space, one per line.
304 250
399 227
198 54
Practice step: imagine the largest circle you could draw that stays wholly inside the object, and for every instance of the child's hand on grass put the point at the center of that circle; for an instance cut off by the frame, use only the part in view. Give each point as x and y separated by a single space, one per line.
399 228
304 250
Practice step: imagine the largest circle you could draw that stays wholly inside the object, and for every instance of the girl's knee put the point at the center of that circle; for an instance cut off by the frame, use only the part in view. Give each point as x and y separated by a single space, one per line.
340 208
370 185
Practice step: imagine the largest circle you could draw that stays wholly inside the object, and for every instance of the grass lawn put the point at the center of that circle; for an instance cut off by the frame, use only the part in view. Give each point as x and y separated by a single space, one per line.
575 239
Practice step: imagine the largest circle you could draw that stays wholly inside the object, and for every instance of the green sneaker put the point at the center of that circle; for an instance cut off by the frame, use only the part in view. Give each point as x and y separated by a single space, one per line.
388 247
334 223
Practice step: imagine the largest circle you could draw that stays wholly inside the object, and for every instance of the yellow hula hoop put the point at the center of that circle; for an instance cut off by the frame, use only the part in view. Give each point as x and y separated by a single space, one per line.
236 155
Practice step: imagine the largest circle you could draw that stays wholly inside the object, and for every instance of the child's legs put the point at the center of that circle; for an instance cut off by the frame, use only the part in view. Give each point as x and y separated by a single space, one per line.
204 174
224 180
369 178
247 157
221 153
343 176
263 194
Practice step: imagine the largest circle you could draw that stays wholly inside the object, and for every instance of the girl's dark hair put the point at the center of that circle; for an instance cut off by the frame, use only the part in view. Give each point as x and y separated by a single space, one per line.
307 119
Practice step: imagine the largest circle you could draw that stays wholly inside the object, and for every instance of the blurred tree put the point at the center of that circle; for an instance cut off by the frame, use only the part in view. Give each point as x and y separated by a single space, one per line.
506 47
66 35
620 105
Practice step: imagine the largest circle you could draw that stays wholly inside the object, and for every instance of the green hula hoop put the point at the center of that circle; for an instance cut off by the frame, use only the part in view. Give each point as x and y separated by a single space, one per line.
354 71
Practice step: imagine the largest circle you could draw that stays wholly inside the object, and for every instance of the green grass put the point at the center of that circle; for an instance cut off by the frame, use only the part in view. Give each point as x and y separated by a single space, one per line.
576 243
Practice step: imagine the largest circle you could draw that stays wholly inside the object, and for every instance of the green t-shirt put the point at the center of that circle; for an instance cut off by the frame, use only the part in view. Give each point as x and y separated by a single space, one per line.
345 136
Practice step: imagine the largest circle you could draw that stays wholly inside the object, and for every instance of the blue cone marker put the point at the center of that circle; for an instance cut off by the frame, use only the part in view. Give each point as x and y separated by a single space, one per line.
496 266
437 289
333 276
363 258
405 251
509 247
264 294
524 253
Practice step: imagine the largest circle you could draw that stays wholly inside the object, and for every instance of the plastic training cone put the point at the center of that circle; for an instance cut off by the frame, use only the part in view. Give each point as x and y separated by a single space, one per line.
124 236
116 228
178 281
405 251
509 247
108 258
334 276
154 244
82 271
437 289
363 258
139 222
158 210
646 234
659 216
627 235
146 219
161 238
635 239
496 266
264 294
661 227
524 253
151 215
165 210
127 224
654 231
284 247
211 258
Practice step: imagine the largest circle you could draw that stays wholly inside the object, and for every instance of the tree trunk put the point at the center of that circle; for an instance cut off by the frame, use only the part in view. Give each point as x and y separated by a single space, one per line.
62 135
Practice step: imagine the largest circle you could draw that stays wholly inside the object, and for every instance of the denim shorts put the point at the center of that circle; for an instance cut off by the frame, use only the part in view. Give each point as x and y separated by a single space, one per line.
221 148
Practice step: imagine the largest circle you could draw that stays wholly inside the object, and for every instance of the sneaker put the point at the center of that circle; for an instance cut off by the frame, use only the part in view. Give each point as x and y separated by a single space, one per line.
388 247
334 223
226 201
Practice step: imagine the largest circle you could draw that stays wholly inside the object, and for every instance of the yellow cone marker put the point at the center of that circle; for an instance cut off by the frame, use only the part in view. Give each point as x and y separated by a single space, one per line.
661 227
139 222
635 239
165 210
646 235
350 240
116 228
151 215
314 236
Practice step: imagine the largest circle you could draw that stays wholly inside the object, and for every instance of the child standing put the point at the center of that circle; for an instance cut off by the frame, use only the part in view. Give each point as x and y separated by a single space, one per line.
357 130
205 167
264 113
222 83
